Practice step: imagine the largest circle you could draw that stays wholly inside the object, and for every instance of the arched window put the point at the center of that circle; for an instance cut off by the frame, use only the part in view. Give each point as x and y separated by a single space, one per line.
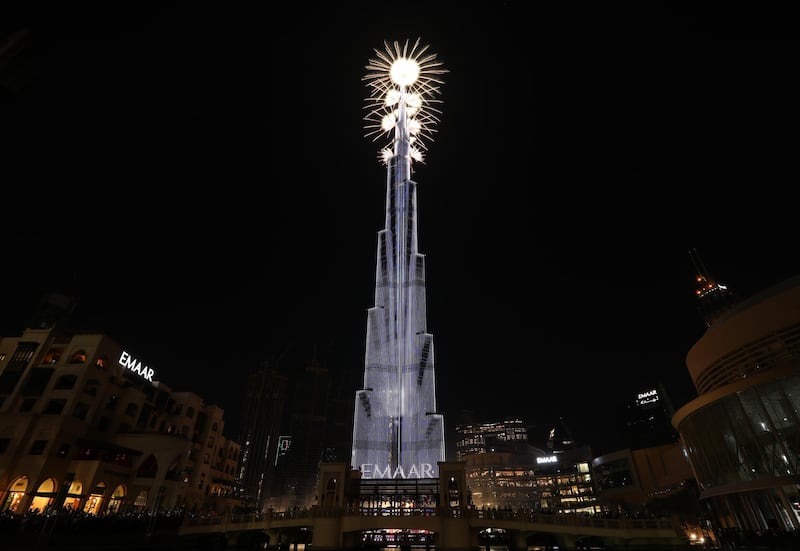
102 362
140 503
78 357
117 499
331 498
16 491
52 356
453 493
95 499
74 492
43 496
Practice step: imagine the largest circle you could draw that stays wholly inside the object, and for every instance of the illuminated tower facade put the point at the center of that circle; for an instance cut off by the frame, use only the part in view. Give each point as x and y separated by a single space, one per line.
397 431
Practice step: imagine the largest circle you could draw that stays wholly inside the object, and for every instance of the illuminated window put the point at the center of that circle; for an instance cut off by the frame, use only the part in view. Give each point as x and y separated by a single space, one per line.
52 356
117 498
78 357
140 503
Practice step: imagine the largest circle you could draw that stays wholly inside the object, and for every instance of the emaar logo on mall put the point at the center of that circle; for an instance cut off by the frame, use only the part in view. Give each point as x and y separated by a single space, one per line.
425 470
129 362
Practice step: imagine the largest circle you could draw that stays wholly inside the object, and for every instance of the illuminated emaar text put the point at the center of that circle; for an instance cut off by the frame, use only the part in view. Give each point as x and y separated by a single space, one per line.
129 362
425 470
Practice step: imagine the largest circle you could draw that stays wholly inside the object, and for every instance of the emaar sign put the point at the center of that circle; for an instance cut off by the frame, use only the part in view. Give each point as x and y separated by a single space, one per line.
425 470
129 362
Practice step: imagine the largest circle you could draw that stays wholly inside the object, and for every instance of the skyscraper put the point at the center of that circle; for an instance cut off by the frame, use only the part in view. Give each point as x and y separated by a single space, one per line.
263 405
397 431
713 297
645 419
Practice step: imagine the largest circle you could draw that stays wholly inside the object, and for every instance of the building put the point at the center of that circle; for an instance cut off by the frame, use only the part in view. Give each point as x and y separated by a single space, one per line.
742 432
301 444
85 424
533 480
646 419
397 430
262 413
475 438
559 438
635 480
504 471
296 416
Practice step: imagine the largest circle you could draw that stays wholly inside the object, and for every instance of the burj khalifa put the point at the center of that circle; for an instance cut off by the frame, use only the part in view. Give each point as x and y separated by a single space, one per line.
397 430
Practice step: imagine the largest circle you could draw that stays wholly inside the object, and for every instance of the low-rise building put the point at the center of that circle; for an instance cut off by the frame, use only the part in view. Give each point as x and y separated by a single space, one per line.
86 425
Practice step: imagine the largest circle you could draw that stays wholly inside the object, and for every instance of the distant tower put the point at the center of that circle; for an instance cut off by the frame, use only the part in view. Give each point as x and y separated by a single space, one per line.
714 297
303 437
559 439
262 408
397 431
646 418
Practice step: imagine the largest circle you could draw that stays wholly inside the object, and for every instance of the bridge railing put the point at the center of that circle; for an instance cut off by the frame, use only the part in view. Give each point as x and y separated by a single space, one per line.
563 519
574 519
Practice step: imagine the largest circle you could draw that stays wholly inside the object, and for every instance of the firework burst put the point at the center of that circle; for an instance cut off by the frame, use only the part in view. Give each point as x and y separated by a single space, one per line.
407 75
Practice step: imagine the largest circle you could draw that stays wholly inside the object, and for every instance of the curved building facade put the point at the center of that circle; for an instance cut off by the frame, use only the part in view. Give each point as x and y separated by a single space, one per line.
742 432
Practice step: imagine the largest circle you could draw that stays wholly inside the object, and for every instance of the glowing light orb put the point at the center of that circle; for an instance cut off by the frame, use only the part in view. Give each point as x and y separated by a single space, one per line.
404 72
403 75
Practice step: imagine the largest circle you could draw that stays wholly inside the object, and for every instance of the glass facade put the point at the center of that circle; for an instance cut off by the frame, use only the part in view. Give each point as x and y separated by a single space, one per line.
755 443
742 433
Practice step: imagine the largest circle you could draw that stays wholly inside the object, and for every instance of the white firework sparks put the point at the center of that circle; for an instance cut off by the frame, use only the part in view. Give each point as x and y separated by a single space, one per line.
403 74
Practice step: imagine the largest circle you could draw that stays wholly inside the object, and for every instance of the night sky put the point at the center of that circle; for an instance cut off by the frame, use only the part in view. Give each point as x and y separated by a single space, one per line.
197 176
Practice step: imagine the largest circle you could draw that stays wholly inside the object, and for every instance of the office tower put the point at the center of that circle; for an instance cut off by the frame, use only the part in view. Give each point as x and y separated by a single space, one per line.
263 405
303 437
505 435
646 419
559 438
397 431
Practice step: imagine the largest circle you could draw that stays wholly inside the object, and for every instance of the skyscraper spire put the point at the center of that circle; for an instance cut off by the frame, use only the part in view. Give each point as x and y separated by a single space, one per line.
713 297
397 431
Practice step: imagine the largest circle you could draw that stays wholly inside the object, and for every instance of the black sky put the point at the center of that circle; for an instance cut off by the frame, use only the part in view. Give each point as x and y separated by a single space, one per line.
196 174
